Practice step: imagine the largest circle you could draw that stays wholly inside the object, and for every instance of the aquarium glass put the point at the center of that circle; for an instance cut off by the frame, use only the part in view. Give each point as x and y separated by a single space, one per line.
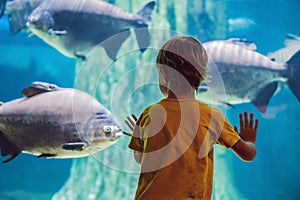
127 84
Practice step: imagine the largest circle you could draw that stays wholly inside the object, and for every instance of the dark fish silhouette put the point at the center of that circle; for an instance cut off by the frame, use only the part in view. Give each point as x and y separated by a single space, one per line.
247 75
18 12
75 27
55 122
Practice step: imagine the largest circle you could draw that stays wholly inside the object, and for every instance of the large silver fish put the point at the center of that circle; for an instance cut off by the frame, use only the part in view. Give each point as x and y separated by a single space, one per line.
18 12
55 122
75 27
247 75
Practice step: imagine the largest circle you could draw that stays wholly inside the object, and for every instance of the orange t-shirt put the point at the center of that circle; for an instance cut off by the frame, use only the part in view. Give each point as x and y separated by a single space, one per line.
176 138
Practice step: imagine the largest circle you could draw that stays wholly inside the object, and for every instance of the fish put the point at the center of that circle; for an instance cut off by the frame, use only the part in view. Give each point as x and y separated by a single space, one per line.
247 76
75 27
18 12
292 45
55 123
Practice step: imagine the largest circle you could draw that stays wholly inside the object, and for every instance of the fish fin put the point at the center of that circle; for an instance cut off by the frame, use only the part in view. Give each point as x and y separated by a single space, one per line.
112 46
30 34
294 74
142 34
292 36
143 38
146 12
81 57
243 43
263 97
46 155
57 32
37 88
7 148
44 86
29 92
2 7
75 146
291 40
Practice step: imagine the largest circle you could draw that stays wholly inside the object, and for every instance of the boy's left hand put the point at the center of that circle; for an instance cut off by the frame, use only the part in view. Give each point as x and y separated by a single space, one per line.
130 123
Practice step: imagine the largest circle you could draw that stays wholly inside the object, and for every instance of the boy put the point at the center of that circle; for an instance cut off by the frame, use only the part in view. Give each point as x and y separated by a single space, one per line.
173 139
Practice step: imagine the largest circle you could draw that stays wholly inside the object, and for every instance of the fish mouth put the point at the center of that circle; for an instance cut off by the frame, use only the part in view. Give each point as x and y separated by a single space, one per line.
119 133
28 24
115 136
31 24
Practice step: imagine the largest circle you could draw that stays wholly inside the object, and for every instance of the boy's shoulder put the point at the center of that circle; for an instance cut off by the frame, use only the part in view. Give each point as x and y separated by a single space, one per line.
209 109
202 106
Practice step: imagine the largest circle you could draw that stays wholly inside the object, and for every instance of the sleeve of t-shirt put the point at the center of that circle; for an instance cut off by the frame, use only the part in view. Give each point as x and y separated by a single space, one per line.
136 143
228 136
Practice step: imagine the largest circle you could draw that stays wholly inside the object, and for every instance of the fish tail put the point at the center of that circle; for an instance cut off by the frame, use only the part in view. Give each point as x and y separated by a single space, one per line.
7 148
294 74
146 12
2 7
142 34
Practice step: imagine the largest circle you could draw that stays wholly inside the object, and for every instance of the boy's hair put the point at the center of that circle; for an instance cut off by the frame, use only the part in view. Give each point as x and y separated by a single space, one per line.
187 56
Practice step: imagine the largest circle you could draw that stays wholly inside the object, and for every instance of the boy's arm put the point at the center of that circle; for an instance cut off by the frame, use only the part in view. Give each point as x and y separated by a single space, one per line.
245 147
245 150
131 123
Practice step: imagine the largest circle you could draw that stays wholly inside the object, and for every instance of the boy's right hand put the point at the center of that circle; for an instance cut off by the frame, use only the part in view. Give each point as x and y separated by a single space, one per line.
248 131
130 123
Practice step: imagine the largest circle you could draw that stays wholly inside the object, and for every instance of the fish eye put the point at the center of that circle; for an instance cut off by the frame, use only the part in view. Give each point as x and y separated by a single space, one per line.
107 129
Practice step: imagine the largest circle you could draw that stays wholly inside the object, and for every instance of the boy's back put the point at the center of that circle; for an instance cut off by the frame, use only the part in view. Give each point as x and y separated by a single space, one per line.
178 155
173 139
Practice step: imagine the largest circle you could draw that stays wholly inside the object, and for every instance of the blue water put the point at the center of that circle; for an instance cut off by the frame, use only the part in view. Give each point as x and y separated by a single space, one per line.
24 60
273 175
275 172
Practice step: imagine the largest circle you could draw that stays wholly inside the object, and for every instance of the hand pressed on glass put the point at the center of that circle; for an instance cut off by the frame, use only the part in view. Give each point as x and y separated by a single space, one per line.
247 132
130 123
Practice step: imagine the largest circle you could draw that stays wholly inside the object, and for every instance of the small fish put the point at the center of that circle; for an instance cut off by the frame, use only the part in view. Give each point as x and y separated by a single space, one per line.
75 27
247 75
55 123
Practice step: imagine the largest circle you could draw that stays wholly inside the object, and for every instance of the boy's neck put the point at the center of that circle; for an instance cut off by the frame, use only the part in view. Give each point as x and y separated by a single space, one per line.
189 95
